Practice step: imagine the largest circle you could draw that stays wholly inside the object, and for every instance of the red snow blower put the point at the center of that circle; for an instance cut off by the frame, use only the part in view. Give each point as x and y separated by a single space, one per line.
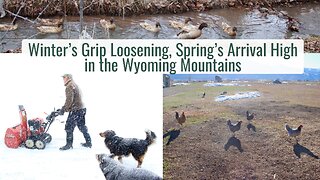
30 133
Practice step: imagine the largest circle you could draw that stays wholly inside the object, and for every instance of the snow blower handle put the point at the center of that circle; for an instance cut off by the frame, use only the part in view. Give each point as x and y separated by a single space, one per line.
53 114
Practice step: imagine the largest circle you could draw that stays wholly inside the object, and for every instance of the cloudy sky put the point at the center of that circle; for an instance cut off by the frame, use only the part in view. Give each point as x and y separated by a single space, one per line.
312 60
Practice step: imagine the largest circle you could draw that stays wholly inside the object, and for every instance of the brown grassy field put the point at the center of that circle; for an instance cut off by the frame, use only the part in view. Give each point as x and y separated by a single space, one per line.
196 150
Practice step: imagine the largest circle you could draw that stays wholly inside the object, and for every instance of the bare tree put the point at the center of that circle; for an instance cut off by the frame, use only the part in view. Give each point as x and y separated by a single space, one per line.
2 12
81 15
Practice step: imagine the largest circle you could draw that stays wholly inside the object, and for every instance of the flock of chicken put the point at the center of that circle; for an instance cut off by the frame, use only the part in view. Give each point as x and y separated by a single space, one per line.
187 30
292 132
236 126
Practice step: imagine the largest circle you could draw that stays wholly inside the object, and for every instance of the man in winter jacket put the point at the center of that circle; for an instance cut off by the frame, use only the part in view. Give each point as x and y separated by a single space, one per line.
77 112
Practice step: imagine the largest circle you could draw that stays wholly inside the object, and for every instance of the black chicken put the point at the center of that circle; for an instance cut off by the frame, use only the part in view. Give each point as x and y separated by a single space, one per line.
250 116
234 126
204 95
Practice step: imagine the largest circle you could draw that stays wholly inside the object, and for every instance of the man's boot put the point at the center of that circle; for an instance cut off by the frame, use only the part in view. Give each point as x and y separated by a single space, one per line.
88 143
86 136
69 142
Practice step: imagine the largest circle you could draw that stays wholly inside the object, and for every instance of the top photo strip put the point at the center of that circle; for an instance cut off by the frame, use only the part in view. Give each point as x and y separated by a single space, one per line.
158 19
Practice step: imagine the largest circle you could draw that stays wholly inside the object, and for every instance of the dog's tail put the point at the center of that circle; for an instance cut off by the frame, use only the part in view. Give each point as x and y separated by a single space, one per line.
151 136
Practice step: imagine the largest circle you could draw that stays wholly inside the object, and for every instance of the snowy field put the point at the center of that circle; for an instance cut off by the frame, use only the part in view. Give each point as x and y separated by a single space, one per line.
126 103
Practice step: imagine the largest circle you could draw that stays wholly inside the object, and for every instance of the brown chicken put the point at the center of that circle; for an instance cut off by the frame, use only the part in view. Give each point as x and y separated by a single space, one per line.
181 119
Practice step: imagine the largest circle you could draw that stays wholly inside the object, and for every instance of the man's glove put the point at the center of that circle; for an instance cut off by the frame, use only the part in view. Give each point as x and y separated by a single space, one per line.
60 111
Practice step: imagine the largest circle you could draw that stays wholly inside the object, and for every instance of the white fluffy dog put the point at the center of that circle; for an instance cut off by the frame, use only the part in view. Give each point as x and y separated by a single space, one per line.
112 170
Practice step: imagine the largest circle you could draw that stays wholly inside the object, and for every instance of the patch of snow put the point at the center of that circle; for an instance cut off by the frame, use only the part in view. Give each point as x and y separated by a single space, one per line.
241 95
311 84
180 84
223 84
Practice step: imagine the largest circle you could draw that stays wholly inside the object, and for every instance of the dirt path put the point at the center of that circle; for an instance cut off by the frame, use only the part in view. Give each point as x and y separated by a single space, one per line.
200 149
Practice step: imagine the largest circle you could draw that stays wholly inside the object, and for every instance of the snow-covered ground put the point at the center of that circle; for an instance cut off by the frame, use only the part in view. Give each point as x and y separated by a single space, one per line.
241 95
180 84
126 103
223 84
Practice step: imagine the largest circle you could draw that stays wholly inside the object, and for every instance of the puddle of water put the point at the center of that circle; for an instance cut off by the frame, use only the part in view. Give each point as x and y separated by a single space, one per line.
250 24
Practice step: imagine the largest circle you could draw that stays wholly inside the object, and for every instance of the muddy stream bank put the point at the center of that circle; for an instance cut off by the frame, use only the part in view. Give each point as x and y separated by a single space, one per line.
251 24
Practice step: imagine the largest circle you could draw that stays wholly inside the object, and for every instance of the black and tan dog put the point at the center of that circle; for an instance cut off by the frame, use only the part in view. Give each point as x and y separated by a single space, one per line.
120 147
112 170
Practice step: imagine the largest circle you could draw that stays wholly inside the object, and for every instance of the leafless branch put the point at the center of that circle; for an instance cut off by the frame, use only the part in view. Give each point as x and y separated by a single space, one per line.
43 10
16 15
76 5
33 35
22 5
89 5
